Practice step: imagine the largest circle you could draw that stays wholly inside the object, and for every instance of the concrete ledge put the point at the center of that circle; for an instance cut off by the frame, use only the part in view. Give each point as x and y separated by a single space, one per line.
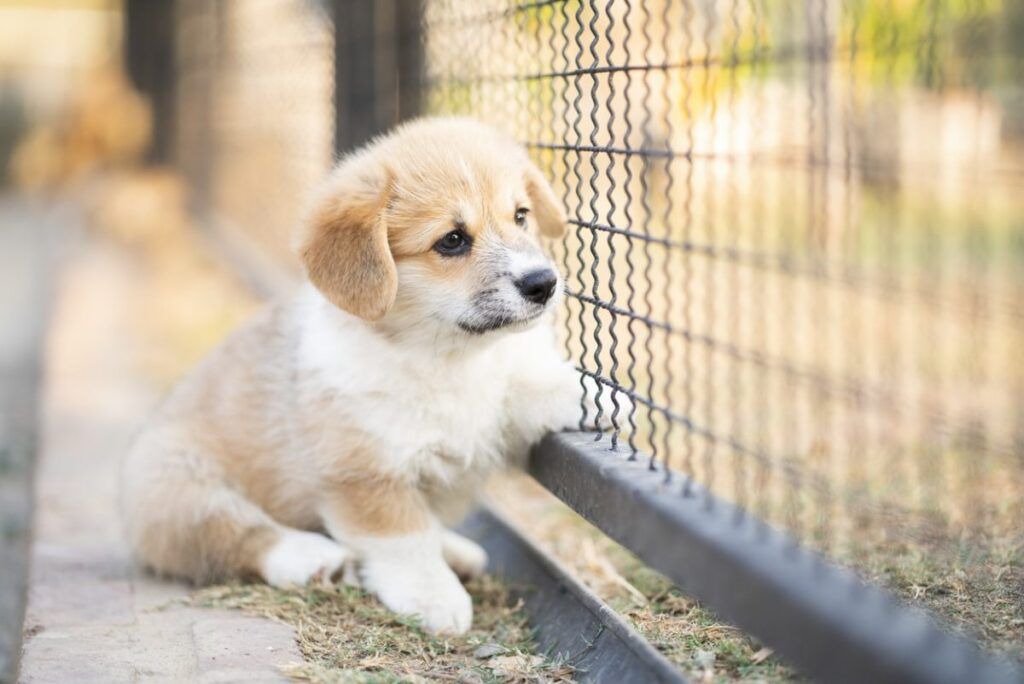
24 276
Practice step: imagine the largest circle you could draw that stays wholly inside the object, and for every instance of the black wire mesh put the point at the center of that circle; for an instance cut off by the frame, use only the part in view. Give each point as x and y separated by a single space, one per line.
796 237
795 244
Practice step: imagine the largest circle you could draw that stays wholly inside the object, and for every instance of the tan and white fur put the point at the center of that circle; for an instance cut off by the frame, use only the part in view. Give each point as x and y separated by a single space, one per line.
345 427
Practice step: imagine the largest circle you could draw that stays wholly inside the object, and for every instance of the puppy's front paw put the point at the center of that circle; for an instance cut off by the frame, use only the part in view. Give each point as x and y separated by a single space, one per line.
434 594
606 407
615 408
298 557
463 555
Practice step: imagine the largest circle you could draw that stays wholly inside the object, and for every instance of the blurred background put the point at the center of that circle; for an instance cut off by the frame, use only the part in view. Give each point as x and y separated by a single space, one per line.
797 241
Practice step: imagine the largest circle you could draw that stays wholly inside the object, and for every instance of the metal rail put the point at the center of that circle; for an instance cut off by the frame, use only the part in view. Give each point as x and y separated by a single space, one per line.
570 622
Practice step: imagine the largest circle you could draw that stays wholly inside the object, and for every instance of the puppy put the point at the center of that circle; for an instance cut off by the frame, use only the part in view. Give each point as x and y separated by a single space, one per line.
418 359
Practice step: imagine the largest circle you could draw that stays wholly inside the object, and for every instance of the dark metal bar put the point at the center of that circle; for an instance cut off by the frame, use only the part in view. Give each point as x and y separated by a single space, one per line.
409 15
355 73
823 619
572 624
150 62
378 64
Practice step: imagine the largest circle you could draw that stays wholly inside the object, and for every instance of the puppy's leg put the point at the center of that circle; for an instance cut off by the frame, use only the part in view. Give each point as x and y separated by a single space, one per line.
463 555
557 399
605 406
298 557
184 520
399 542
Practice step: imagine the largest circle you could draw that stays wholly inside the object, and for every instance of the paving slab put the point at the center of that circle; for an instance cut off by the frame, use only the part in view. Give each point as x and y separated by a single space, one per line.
239 648
93 616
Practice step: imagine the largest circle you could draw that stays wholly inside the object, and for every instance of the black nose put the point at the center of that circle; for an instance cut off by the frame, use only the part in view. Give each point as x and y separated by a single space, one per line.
537 286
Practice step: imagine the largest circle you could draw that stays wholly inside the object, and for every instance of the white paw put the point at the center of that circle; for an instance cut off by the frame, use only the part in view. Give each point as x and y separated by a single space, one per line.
433 593
601 409
463 555
298 557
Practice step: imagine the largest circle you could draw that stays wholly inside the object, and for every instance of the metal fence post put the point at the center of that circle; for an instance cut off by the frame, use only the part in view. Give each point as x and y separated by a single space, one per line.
150 62
377 62
410 58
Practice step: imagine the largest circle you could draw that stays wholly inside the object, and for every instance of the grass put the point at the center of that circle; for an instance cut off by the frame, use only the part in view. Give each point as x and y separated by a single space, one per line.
345 635
690 636
975 586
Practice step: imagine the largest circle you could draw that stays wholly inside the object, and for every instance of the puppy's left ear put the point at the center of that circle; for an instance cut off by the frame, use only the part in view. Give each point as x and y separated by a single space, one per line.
546 207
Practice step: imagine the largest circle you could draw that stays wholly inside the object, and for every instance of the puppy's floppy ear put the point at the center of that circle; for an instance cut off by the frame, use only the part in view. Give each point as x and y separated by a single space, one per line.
546 207
345 246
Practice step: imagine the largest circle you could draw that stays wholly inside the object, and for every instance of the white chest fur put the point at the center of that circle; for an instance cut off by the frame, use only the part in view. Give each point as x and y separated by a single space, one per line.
435 412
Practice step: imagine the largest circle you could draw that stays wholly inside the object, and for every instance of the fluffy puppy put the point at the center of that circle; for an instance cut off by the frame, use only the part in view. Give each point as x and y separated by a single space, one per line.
417 359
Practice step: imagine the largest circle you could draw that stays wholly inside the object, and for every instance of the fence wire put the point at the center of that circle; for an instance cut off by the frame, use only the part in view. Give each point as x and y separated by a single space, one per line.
795 243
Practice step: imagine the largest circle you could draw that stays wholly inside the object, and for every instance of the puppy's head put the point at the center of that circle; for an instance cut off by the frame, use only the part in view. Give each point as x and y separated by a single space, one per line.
438 222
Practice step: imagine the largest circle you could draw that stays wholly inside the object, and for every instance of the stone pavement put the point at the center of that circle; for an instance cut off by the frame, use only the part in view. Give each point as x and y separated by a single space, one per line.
22 314
91 616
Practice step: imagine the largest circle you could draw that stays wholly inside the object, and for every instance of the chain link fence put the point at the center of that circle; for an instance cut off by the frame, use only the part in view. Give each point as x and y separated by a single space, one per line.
796 243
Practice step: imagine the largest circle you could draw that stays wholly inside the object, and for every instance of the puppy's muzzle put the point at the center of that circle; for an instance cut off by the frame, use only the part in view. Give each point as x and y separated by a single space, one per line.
537 286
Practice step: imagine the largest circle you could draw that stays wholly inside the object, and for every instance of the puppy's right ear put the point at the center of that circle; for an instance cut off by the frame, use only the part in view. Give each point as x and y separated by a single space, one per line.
345 245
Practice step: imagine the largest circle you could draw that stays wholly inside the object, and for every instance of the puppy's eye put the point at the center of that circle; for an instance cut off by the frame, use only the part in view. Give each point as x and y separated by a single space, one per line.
521 213
454 243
